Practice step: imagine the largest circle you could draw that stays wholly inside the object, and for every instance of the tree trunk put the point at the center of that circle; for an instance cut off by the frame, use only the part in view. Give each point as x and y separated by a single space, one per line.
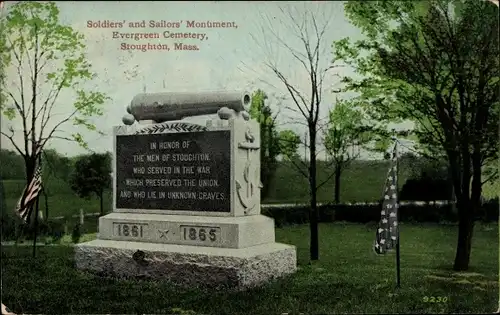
35 227
452 197
101 201
36 212
467 210
29 165
465 229
46 199
337 184
313 214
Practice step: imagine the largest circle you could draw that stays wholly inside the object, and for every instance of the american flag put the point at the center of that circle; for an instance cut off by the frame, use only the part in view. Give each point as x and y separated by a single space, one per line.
387 230
31 192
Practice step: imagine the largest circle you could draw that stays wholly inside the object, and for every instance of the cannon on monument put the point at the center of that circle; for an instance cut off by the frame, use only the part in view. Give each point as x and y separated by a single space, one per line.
161 107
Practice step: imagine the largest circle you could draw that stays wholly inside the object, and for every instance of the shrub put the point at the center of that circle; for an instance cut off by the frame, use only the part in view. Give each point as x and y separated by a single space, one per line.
425 189
489 211
371 213
10 225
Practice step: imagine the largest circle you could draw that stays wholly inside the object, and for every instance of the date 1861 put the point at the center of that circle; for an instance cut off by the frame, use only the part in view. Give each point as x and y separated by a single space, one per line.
200 233
129 230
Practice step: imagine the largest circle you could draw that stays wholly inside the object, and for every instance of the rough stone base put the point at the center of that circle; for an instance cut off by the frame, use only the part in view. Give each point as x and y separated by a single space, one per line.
188 266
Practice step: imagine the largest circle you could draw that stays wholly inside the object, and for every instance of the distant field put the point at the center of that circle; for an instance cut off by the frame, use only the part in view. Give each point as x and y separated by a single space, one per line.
361 182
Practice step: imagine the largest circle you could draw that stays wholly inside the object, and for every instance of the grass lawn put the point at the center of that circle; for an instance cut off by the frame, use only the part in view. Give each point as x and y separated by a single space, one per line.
348 278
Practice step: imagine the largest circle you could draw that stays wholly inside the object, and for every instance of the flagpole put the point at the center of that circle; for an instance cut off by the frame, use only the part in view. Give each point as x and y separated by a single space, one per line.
398 257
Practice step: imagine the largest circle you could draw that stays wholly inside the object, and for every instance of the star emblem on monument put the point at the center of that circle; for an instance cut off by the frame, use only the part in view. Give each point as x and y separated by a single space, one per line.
163 233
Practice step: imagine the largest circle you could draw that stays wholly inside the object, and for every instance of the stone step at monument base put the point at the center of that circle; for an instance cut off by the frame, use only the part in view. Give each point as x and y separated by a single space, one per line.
188 266
227 232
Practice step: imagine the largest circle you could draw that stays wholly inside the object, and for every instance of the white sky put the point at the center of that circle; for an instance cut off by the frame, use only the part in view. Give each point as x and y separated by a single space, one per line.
229 59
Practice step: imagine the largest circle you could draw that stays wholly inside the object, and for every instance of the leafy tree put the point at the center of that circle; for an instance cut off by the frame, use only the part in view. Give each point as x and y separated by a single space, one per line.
305 45
45 58
289 143
91 176
434 63
273 143
268 139
347 133
56 164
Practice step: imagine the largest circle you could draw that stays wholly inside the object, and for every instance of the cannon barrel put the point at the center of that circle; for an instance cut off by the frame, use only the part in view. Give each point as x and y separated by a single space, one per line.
175 106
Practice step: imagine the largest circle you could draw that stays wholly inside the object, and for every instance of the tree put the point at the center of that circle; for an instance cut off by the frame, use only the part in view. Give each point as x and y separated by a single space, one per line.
273 143
92 176
289 143
308 30
434 63
57 166
344 137
45 59
268 139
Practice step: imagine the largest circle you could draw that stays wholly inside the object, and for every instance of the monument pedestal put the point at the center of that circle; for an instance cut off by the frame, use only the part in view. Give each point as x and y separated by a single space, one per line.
188 266
234 252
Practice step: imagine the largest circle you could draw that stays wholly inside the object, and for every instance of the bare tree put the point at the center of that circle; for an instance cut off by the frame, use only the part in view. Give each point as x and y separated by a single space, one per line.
308 47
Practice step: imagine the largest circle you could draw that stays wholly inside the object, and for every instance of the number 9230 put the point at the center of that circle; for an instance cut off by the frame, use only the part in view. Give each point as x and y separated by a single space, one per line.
435 299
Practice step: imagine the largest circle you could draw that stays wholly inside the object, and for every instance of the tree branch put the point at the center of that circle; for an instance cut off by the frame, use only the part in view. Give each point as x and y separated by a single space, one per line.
11 138
49 136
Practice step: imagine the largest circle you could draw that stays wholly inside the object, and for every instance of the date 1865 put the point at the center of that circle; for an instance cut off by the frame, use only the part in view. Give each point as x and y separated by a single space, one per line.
200 233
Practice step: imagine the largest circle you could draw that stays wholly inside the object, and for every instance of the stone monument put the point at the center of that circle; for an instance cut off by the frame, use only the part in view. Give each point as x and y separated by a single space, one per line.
186 197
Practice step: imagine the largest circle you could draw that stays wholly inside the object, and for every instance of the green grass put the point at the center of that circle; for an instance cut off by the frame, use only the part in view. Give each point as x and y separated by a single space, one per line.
348 278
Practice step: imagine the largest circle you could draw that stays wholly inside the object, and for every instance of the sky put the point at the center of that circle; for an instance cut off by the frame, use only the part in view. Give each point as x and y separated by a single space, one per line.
228 58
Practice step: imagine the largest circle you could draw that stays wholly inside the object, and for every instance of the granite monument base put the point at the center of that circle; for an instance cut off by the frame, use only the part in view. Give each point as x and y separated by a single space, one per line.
188 266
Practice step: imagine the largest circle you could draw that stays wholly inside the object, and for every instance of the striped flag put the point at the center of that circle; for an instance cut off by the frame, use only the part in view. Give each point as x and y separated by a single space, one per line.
32 190
387 230
30 195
